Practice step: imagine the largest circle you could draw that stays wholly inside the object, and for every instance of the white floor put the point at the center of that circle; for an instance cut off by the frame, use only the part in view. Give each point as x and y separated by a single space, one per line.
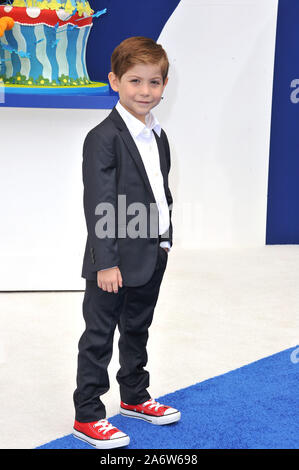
217 310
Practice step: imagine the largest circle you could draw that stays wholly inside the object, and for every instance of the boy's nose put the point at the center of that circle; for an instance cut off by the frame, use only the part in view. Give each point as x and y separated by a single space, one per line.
145 91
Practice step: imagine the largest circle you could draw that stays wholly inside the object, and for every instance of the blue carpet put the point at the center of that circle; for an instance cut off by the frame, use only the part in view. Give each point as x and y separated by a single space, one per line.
253 407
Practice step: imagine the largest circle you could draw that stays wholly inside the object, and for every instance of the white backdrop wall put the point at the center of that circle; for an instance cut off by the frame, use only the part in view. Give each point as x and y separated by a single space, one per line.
216 112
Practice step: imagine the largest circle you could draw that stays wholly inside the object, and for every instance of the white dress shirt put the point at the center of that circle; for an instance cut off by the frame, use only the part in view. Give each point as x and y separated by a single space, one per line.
146 143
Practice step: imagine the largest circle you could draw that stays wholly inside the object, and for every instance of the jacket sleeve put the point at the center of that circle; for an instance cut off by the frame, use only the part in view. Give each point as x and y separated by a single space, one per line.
100 186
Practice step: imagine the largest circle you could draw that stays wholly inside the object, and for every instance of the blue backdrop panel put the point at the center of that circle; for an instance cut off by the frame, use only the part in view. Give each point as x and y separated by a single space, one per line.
124 18
283 182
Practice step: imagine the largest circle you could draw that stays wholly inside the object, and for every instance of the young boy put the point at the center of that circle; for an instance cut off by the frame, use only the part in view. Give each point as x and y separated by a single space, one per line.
126 161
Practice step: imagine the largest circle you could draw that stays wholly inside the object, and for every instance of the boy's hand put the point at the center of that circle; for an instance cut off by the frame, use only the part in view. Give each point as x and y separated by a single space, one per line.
110 279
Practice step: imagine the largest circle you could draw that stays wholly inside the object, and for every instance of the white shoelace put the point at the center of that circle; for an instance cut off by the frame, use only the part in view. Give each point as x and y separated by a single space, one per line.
104 426
153 404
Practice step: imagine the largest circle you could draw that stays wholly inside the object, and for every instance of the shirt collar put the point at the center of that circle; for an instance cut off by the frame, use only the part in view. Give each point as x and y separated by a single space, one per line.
134 125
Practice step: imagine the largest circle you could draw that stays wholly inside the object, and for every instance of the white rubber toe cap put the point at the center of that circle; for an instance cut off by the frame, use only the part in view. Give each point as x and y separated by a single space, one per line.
118 434
170 411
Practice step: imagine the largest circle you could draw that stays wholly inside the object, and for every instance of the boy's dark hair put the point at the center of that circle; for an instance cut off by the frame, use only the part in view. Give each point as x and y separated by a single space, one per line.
136 50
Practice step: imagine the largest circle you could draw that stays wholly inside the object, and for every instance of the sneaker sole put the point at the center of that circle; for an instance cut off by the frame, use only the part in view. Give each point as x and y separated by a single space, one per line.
172 418
101 444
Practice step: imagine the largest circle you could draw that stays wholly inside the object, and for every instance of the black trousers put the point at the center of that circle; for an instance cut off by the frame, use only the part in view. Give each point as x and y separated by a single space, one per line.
132 308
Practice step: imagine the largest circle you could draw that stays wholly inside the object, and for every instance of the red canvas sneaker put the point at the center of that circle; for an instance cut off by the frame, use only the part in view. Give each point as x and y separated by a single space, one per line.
151 411
100 434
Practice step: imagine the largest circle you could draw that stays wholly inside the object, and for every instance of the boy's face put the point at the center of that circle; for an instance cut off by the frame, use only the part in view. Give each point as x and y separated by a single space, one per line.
140 88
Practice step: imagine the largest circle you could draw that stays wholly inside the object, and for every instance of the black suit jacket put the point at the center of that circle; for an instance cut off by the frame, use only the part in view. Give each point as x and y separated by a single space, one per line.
112 166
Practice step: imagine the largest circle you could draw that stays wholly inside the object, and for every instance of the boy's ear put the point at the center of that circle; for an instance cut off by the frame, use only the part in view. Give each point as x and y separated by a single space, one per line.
165 83
113 81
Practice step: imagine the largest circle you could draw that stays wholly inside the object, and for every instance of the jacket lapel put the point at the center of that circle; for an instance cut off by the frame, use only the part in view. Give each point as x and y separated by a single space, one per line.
134 152
162 156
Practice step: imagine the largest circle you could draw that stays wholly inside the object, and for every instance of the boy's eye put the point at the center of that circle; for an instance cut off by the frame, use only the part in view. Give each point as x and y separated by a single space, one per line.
155 82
